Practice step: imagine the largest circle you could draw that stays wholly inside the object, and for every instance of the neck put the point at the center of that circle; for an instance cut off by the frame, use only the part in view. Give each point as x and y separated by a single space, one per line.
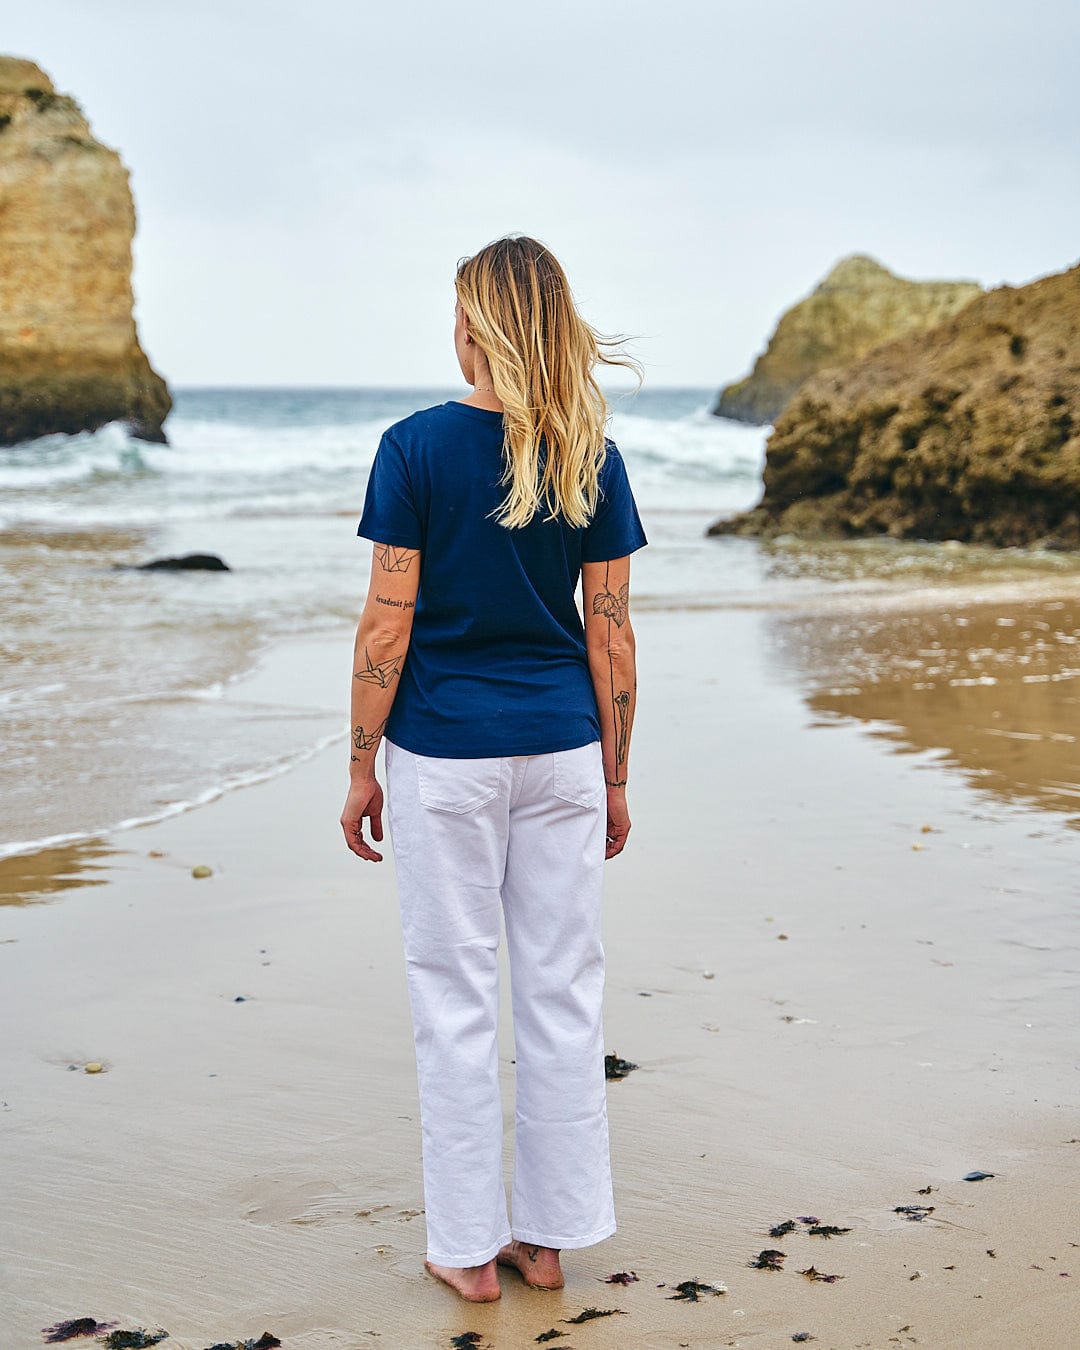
484 396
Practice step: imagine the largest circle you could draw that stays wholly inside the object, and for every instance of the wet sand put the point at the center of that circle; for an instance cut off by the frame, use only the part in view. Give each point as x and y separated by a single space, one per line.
832 1007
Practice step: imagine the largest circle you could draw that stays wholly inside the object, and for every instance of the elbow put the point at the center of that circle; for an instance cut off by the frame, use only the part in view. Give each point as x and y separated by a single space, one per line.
617 646
387 639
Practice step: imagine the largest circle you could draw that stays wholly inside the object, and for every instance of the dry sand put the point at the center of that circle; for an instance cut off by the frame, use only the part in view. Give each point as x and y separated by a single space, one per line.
827 1019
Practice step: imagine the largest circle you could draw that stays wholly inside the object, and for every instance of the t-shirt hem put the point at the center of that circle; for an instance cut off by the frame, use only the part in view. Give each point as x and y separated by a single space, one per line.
395 537
490 750
606 555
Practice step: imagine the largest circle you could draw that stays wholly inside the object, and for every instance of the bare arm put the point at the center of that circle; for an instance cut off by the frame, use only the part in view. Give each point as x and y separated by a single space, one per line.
609 640
382 643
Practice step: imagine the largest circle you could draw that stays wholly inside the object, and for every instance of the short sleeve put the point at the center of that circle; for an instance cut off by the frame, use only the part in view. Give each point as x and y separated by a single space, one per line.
390 515
615 530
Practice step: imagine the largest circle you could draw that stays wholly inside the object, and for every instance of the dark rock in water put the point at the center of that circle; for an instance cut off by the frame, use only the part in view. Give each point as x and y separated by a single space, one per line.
70 358
968 432
858 306
977 1176
187 562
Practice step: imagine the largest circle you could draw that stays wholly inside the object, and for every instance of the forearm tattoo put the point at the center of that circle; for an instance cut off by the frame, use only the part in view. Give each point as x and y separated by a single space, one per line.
367 740
614 608
382 673
622 708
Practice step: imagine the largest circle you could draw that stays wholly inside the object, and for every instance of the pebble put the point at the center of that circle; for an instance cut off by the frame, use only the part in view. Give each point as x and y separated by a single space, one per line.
201 871
93 1067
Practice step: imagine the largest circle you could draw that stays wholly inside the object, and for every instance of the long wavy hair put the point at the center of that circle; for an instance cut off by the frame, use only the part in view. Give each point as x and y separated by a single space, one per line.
543 357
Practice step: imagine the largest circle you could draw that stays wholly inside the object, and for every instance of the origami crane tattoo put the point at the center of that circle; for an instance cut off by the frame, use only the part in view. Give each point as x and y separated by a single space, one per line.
382 673
394 559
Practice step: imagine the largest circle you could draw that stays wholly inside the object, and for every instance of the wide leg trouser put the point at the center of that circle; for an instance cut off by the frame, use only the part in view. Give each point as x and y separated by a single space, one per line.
524 835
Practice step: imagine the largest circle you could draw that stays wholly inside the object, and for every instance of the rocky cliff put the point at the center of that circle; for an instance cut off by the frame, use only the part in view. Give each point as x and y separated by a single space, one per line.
70 358
970 431
858 306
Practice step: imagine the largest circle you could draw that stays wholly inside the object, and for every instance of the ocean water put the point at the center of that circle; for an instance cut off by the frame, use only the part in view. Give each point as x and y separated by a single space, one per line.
127 696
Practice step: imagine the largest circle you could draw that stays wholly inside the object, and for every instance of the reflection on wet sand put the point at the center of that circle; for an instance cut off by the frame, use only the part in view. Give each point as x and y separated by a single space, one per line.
994 686
29 878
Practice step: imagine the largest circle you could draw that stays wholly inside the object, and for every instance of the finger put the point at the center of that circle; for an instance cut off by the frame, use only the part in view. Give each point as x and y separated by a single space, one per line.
355 839
616 840
376 826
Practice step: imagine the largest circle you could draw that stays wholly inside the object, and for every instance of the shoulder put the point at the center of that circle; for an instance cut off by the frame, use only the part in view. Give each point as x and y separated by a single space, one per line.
418 426
612 475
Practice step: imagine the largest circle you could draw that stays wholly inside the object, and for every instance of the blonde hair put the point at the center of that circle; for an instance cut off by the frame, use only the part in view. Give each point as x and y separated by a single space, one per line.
542 356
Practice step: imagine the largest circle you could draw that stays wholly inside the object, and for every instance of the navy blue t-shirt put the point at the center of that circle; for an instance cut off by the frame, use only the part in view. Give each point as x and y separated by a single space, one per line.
497 662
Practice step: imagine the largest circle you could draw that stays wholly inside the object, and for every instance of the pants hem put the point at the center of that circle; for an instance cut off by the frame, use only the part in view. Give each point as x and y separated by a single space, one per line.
548 1240
472 1259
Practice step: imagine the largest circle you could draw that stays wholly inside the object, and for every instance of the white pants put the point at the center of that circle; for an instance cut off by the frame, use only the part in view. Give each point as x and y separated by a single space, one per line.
523 835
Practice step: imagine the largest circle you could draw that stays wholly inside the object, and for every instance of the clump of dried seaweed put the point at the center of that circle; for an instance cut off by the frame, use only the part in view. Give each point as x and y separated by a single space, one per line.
590 1314
813 1274
769 1259
692 1290
267 1341
73 1327
138 1339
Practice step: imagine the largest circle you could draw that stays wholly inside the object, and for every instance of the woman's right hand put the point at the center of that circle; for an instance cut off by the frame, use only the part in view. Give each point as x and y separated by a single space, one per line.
618 821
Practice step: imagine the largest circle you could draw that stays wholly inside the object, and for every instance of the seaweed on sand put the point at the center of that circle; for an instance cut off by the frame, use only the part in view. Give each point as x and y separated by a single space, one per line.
266 1341
692 1290
589 1314
812 1274
72 1327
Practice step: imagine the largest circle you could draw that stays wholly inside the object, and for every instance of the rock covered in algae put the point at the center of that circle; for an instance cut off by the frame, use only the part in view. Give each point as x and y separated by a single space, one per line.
857 307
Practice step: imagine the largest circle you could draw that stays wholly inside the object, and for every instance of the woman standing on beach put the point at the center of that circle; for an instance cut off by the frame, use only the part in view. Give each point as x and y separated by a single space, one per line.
507 723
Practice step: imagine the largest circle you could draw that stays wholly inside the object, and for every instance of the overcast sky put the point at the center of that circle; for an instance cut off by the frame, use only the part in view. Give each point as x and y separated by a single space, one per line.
307 175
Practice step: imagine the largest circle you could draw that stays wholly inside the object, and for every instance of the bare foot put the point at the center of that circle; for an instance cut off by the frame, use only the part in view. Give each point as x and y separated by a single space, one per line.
475 1284
538 1266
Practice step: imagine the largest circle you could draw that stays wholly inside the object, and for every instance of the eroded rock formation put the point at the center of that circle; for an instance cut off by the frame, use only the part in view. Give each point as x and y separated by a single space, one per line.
970 432
70 358
858 306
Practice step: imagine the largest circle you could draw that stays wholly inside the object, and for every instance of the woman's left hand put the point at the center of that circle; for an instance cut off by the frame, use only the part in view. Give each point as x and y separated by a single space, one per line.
365 799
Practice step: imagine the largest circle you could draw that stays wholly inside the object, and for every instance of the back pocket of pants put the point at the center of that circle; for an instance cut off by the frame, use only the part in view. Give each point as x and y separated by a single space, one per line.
579 775
457 785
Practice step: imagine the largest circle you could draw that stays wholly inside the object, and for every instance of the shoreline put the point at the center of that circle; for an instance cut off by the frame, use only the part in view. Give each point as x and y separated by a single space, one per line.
249 1166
